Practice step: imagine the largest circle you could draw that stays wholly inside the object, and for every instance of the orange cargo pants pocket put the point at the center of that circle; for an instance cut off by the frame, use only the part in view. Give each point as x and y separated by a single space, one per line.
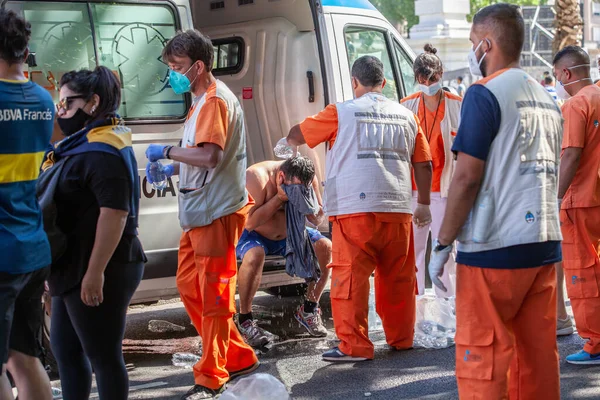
341 281
474 352
581 280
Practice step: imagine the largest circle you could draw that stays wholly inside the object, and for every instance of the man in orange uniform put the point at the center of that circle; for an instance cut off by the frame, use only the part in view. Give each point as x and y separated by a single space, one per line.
368 193
213 207
501 209
579 196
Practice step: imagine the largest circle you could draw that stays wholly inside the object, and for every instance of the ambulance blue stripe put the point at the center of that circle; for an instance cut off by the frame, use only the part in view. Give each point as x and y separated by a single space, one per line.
365 4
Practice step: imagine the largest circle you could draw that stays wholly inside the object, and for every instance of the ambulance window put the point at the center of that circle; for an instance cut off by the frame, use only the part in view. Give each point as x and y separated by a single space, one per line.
229 56
129 40
61 40
406 70
361 41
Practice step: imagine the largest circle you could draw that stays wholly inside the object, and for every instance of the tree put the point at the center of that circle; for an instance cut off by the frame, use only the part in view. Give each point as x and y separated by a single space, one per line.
398 11
568 24
477 5
404 10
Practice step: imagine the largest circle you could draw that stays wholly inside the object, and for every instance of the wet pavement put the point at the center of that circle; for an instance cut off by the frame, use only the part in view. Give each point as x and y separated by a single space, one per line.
296 360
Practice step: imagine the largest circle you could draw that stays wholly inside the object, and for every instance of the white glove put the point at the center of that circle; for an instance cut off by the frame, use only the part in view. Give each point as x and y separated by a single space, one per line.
439 258
422 215
285 150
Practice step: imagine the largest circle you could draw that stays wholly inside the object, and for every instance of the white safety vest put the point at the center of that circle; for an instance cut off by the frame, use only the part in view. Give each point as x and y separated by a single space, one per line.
449 127
214 193
369 165
516 203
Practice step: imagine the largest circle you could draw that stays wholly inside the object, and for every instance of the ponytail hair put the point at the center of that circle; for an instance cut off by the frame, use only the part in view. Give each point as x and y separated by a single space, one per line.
428 64
102 82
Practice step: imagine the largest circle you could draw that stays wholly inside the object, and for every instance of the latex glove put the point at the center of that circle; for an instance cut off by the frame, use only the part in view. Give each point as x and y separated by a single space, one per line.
155 152
167 170
285 150
422 215
438 260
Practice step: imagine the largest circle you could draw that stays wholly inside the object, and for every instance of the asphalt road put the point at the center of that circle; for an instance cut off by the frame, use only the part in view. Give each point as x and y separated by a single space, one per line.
296 361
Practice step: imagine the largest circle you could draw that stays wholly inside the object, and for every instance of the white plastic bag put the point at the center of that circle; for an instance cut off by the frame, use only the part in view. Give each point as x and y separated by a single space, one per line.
256 387
435 325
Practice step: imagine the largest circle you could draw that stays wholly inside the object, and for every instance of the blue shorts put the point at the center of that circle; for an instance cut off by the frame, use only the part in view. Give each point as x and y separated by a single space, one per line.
250 240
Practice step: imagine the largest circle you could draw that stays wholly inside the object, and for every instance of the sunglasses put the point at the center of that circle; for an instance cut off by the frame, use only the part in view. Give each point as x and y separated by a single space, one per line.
65 103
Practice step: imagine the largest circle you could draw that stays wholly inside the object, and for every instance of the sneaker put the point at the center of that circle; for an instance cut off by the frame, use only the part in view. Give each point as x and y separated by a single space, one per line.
564 327
312 322
202 392
243 371
584 358
336 355
253 335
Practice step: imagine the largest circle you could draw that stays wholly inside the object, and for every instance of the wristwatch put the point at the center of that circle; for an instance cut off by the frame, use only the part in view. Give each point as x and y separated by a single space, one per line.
439 246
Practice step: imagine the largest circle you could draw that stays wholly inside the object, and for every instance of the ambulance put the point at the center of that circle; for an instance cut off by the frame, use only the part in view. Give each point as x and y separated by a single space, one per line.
284 59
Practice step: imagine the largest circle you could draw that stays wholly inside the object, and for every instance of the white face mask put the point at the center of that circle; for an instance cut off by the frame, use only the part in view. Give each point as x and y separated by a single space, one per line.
432 89
561 92
474 65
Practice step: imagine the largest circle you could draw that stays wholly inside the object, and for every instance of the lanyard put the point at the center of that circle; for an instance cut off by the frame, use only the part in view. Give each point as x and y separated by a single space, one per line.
428 135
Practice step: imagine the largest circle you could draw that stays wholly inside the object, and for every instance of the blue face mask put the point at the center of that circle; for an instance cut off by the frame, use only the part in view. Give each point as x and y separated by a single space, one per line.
180 82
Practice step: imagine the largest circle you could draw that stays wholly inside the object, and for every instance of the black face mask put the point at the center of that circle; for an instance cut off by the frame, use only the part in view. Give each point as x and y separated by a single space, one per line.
74 124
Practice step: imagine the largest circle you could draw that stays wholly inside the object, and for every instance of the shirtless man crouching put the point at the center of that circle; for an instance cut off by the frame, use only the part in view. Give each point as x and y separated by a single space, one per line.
265 234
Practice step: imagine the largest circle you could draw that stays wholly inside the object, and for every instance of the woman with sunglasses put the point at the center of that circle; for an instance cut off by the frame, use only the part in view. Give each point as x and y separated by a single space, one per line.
439 117
97 199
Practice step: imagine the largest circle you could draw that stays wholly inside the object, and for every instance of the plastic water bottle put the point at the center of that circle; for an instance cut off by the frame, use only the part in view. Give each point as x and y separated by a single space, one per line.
284 150
185 360
375 323
157 173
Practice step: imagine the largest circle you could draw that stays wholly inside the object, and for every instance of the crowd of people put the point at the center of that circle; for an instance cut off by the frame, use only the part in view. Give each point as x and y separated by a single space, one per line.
504 179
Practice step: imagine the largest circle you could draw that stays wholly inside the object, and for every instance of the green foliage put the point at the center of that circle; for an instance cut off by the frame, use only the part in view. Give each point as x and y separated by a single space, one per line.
398 10
477 5
404 10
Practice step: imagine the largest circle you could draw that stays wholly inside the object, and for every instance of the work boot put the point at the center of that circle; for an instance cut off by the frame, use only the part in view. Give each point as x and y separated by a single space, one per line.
312 322
253 335
243 371
199 392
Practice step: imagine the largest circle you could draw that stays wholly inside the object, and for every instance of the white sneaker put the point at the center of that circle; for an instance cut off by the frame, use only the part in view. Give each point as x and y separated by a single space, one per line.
253 335
564 327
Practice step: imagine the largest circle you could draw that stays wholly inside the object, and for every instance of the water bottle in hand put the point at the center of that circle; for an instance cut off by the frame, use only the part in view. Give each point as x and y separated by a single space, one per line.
158 175
284 150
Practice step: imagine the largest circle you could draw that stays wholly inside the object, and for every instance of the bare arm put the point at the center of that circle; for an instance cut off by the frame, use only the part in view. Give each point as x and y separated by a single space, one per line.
569 163
465 185
295 137
317 219
262 211
208 155
423 172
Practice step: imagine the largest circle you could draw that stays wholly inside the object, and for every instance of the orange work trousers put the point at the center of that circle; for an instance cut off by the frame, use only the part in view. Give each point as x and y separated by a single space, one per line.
364 243
581 247
506 333
206 279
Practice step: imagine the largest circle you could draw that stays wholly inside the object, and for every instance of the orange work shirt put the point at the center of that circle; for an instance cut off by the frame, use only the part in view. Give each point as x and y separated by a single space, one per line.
582 129
323 127
433 134
213 119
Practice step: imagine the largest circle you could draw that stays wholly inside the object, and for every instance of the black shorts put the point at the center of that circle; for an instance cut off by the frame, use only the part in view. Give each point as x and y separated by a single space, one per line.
21 312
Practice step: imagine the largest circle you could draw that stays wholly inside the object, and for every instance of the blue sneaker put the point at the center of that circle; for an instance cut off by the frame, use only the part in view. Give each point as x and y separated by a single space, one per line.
336 355
584 358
